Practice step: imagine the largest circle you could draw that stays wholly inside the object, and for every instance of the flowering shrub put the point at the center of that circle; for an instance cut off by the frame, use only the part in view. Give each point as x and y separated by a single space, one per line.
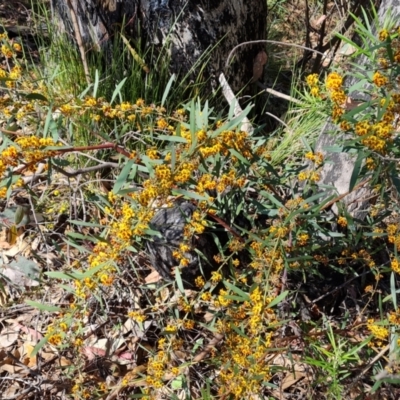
230 332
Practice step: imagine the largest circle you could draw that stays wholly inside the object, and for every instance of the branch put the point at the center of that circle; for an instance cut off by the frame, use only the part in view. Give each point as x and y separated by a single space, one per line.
71 174
273 42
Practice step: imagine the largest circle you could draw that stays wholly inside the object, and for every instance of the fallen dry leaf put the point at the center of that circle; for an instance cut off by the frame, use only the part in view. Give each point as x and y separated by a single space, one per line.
153 277
8 338
26 351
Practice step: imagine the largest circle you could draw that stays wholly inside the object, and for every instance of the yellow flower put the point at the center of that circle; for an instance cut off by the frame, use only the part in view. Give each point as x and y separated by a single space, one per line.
378 331
379 79
171 329
126 106
334 81
162 123
199 282
303 175
206 296
395 265
312 80
137 316
6 51
302 239
314 91
55 340
368 289
315 176
90 102
383 35
342 221
338 96
216 277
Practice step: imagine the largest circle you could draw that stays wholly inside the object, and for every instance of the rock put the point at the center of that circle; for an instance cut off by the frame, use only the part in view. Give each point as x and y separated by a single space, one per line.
170 223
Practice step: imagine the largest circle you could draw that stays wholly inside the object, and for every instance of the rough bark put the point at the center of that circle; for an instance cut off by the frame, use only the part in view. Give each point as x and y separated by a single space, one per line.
192 30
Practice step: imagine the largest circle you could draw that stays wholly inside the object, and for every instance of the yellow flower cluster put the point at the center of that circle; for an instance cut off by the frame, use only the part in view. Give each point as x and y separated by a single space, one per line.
342 221
334 82
395 265
312 176
379 332
317 158
29 150
313 82
302 239
243 355
138 316
379 79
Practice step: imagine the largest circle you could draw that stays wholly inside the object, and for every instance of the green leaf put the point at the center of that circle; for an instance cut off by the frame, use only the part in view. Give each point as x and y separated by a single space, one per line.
351 43
239 156
49 119
39 346
335 234
278 299
171 138
61 275
77 235
123 176
92 271
36 96
43 307
232 124
191 195
242 295
356 171
117 90
357 110
96 83
333 149
167 89
178 278
272 198
393 289
177 383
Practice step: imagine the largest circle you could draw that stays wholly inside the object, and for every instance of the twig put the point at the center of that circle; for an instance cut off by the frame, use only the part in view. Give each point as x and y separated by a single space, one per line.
9 132
365 370
336 199
209 347
273 42
283 123
80 171
279 94
338 287
226 226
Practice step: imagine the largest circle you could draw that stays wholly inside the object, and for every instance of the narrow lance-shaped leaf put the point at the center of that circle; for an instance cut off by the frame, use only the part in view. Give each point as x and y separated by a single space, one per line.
122 178
356 170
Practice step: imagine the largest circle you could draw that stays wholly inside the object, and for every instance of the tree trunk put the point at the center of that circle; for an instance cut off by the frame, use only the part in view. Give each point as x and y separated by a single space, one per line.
190 31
